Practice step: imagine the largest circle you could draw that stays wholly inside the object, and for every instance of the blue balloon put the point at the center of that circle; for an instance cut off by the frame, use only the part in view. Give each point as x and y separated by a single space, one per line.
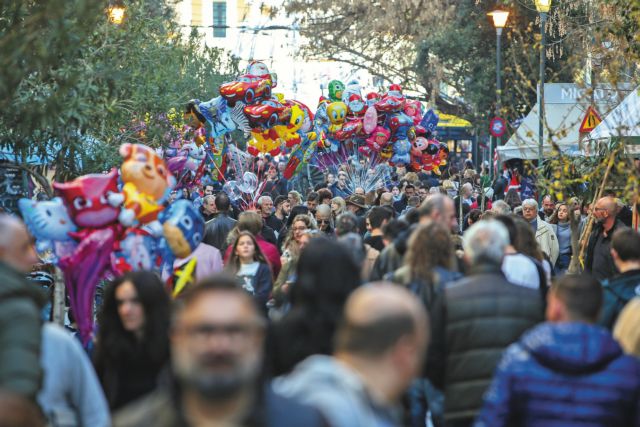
430 120
183 228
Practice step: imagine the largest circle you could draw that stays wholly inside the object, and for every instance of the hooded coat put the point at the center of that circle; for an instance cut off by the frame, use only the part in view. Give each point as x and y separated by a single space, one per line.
564 374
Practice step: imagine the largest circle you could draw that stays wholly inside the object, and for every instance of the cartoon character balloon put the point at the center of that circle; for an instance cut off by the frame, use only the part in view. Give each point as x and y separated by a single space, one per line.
378 140
49 222
336 87
147 182
92 200
183 228
337 112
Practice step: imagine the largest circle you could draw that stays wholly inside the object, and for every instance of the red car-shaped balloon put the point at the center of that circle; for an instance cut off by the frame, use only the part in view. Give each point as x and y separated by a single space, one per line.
247 88
268 113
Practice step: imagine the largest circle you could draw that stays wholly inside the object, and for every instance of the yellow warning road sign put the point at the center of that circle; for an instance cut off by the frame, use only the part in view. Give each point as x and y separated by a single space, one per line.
590 121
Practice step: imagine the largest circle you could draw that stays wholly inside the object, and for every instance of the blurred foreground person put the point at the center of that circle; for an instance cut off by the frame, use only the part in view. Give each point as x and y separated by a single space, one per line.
71 394
326 274
18 411
626 331
133 341
474 320
20 303
620 289
380 347
565 372
217 338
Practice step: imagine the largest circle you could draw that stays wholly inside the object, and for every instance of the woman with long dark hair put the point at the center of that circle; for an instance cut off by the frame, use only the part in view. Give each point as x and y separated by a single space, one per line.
133 341
325 276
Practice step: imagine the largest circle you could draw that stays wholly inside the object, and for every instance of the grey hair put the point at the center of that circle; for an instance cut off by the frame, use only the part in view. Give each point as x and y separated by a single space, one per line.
432 203
262 199
530 202
485 242
501 207
324 210
209 197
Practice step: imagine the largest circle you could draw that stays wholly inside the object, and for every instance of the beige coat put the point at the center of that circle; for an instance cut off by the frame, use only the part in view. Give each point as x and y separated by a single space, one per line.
546 238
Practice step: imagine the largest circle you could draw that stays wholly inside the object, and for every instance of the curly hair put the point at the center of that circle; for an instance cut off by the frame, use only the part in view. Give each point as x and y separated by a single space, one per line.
115 345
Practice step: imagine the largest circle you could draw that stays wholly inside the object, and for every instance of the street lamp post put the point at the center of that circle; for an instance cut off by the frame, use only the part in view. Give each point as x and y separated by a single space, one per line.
499 22
542 6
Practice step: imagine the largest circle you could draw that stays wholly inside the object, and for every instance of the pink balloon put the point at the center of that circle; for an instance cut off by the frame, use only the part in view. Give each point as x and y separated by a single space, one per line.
370 120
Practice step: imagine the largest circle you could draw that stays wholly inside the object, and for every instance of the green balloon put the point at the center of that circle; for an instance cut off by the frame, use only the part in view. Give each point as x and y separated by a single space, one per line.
336 87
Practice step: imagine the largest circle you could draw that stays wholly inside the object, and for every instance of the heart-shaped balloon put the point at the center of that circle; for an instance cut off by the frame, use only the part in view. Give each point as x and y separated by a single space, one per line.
249 183
232 190
370 120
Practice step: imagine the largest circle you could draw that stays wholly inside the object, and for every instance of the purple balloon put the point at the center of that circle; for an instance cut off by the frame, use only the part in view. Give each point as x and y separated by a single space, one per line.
83 270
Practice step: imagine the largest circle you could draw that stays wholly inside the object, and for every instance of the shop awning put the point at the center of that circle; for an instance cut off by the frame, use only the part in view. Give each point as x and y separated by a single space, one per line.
454 128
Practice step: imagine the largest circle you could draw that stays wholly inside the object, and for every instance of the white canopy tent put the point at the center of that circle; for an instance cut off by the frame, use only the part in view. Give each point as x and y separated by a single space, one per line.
623 121
565 107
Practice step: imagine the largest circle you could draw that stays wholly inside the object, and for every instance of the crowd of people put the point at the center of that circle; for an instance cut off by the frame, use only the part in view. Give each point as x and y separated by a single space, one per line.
431 301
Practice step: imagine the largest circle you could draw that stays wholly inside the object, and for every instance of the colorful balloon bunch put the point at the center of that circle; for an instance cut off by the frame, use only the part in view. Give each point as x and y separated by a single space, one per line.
103 225
387 125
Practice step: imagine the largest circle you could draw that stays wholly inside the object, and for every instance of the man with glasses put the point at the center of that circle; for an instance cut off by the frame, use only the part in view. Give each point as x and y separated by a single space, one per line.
217 339
323 218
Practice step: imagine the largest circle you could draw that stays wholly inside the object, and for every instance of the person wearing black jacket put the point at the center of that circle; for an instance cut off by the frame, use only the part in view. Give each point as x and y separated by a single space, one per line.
598 260
474 320
217 230
620 289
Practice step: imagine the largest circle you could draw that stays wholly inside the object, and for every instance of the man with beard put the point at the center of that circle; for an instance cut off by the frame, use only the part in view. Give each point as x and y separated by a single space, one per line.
217 340
598 259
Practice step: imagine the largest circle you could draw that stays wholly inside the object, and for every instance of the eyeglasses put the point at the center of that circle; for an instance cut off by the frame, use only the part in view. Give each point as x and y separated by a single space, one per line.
235 331
323 221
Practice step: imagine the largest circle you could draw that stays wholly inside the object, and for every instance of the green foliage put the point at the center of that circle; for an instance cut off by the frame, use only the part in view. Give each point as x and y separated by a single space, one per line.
70 81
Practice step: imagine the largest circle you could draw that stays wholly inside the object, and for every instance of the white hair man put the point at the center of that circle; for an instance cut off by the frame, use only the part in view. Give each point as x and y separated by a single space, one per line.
500 207
494 313
545 236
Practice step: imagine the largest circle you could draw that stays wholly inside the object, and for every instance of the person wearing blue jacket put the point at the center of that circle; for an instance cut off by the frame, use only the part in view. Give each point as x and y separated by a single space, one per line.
565 372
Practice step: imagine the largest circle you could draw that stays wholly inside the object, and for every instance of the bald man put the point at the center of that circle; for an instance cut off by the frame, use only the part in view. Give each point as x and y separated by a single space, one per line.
20 303
598 259
379 349
386 199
